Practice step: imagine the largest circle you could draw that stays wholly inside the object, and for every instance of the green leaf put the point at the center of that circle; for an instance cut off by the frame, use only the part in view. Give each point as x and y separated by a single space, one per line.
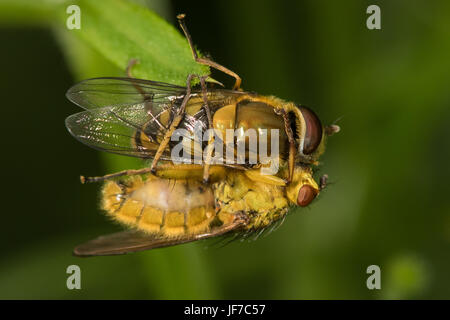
104 47
113 32
27 13
119 31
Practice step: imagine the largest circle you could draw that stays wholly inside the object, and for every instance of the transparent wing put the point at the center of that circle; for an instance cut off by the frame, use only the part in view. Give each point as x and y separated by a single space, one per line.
121 243
117 129
116 91
130 116
109 91
133 241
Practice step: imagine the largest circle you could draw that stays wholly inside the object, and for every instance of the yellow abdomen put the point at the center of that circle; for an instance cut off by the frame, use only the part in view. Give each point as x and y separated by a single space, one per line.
168 207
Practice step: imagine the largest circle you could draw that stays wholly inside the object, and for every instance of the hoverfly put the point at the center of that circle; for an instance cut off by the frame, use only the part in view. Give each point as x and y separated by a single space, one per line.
168 204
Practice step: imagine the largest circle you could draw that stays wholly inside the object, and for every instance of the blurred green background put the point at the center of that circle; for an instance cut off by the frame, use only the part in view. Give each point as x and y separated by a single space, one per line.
387 203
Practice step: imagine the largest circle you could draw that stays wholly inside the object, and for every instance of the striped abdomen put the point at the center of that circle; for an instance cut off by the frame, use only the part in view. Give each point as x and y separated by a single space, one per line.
168 207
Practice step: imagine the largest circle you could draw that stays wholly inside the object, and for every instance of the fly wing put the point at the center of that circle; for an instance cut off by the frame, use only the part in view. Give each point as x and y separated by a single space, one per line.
123 115
131 116
116 91
110 91
133 241
130 130
121 243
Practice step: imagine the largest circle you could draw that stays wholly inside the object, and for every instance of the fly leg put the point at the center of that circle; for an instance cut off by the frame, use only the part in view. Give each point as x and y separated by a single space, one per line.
173 125
147 97
210 146
130 65
292 149
205 61
186 171
84 179
255 175
167 171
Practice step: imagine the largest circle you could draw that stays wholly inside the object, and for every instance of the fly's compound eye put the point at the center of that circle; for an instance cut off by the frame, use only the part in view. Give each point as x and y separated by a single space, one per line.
306 195
313 133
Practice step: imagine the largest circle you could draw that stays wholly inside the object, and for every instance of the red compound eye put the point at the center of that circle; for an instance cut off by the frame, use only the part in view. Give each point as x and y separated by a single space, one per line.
306 195
313 134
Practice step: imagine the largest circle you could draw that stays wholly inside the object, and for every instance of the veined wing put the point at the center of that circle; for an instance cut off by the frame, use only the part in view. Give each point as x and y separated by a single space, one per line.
120 129
116 91
130 116
110 91
133 241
